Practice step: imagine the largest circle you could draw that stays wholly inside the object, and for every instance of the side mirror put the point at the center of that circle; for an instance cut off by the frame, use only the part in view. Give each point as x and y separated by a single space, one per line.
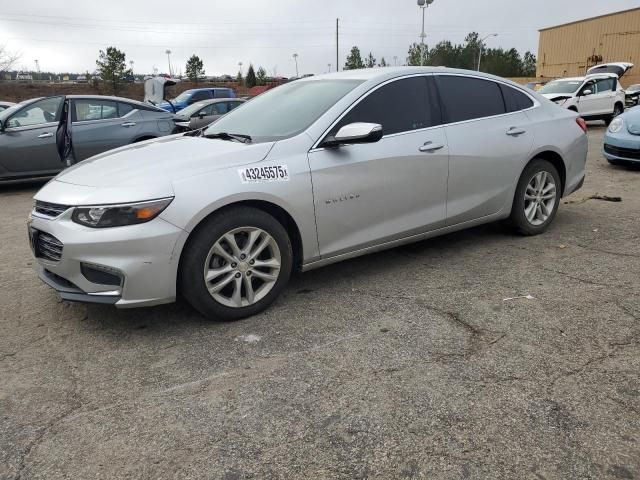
201 115
358 132
586 92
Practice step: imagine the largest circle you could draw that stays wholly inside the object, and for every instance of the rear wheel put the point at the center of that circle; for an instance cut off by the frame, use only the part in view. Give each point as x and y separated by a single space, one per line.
236 265
617 111
536 199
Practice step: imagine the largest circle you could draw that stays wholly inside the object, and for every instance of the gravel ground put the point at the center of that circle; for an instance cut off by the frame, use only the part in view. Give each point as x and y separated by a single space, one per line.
404 364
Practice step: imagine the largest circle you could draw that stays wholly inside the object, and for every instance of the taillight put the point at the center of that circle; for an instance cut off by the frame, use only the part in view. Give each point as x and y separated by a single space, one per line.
582 124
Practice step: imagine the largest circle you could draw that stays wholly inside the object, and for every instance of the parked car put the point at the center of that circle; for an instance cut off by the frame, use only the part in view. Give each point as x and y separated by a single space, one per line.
30 134
535 86
203 113
5 105
622 140
632 96
189 97
598 96
309 173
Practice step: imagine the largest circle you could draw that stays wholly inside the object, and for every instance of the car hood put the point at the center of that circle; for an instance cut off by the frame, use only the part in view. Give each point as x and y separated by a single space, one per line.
161 161
556 96
632 120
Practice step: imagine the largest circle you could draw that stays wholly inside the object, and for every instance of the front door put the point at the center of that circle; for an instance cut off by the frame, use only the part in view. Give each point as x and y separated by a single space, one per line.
28 142
369 194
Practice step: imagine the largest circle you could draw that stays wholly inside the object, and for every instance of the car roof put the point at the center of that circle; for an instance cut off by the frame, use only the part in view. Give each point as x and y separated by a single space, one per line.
380 74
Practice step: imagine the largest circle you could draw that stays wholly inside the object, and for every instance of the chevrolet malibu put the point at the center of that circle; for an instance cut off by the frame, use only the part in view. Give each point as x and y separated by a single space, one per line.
310 173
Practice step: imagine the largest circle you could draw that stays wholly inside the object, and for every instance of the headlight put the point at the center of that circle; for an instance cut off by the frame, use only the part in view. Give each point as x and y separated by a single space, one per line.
561 101
616 125
119 215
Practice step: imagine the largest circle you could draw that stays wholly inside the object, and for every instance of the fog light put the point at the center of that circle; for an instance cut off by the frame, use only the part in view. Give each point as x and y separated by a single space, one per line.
101 274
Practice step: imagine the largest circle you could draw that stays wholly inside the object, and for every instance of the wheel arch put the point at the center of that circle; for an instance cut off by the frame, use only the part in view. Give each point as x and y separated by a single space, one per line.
271 208
556 160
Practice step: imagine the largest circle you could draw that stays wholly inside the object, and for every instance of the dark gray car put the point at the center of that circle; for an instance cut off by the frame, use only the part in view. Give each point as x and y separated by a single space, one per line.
30 133
203 113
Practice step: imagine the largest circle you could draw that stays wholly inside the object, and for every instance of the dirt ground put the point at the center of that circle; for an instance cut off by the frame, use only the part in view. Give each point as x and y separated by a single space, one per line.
409 363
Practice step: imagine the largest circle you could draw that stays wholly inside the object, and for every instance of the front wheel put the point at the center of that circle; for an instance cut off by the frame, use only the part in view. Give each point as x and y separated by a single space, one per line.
236 264
536 199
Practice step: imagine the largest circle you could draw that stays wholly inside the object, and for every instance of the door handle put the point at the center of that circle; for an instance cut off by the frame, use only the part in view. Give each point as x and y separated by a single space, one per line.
515 131
431 147
129 124
45 135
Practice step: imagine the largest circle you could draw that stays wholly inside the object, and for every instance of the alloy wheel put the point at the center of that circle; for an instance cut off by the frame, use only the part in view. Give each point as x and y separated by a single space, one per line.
242 267
540 198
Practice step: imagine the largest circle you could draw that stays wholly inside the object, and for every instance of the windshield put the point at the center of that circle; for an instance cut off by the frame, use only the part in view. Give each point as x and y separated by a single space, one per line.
284 111
561 86
183 97
191 109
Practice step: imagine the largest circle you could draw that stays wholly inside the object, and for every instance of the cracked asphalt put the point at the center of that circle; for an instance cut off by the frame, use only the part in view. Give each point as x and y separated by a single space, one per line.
404 364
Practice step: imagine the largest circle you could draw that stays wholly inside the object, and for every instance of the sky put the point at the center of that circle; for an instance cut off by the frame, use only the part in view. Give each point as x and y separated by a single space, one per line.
66 35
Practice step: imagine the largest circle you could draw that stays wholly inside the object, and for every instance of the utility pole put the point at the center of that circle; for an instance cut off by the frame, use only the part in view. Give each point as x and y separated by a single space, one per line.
337 45
37 68
481 44
395 60
295 59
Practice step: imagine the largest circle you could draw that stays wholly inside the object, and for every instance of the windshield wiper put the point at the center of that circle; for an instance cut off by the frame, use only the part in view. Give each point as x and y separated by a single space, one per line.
230 136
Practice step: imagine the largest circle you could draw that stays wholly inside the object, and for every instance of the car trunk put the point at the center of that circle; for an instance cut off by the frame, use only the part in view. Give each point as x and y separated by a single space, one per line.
618 68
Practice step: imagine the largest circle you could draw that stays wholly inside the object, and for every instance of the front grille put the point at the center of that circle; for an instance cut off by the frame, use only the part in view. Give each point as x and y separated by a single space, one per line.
51 210
48 247
630 153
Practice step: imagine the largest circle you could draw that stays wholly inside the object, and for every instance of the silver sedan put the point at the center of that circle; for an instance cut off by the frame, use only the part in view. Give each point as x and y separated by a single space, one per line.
204 113
32 137
310 173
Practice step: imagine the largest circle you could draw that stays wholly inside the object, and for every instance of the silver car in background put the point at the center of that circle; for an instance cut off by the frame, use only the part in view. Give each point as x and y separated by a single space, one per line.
5 105
204 113
30 132
310 173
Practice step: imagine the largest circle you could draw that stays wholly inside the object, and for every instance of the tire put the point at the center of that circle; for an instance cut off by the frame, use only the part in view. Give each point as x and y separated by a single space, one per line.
209 252
543 215
617 111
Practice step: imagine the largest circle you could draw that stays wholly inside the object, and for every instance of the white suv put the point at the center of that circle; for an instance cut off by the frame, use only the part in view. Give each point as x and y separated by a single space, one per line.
598 96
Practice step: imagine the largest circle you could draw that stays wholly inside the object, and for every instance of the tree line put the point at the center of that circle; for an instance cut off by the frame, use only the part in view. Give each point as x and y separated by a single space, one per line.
498 61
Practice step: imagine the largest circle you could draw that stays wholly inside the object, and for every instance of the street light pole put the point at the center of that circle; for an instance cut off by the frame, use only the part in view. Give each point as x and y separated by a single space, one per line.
295 59
168 52
423 4
482 43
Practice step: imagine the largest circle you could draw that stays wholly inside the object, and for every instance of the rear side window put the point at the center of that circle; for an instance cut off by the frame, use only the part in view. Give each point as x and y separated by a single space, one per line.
219 108
124 108
401 106
221 93
201 95
467 98
605 85
515 100
86 110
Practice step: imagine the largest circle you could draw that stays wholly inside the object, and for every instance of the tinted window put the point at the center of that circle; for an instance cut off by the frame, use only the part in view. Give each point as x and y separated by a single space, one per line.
232 105
400 106
605 85
124 108
42 111
221 93
515 100
201 95
466 98
86 110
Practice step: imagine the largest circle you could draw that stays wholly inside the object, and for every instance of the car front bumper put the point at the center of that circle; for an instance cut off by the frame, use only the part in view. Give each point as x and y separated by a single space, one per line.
625 147
128 266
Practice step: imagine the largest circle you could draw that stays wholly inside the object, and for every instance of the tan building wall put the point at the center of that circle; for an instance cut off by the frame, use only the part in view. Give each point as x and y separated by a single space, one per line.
569 50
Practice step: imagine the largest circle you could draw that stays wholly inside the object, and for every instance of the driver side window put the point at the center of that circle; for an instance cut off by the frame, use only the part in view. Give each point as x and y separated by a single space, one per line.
40 112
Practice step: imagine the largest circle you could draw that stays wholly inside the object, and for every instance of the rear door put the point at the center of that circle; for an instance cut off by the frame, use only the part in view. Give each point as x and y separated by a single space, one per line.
99 125
369 194
28 142
489 141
